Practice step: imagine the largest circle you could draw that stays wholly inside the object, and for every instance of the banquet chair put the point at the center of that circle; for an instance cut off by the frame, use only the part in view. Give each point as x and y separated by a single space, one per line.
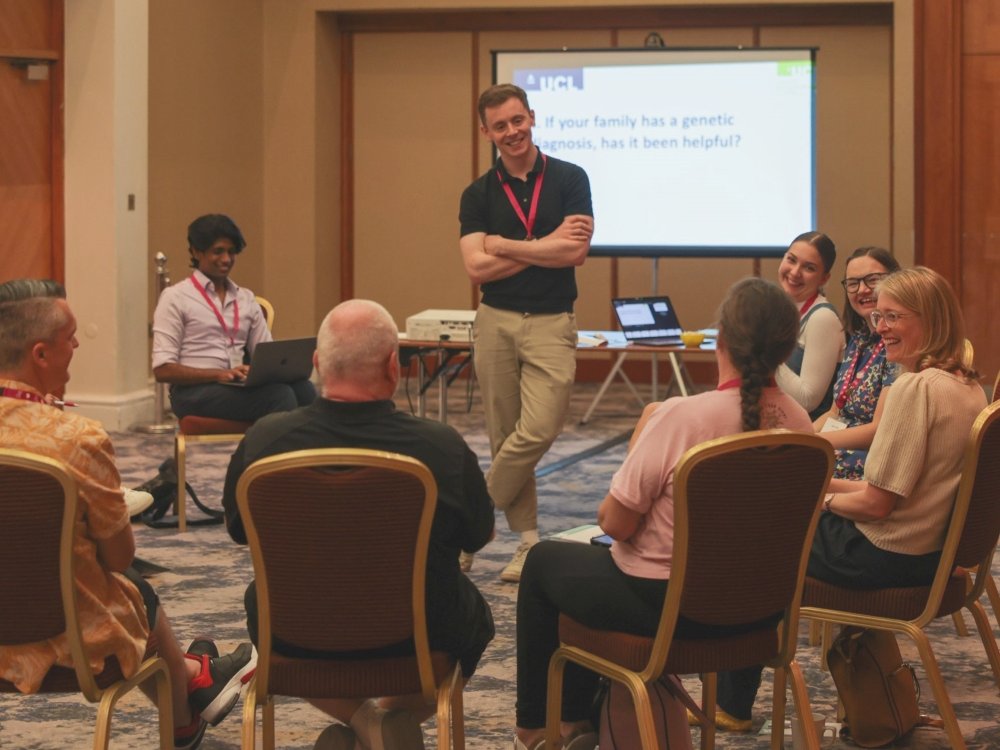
745 509
989 583
38 509
195 429
367 516
969 543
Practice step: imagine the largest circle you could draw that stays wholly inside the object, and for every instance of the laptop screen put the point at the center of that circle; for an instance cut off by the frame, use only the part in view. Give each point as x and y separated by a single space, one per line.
647 318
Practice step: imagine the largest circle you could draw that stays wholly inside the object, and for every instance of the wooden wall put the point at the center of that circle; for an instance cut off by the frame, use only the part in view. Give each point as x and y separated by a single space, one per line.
958 159
31 139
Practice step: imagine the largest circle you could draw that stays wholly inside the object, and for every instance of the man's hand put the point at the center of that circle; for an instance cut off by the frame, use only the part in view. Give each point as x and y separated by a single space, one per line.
567 245
236 373
576 228
491 244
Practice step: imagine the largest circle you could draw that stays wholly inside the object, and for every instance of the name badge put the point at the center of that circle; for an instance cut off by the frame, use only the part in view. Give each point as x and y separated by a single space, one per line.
235 356
832 425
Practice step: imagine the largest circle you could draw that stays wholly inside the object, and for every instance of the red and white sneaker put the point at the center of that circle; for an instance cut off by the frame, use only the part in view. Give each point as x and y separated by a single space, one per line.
215 690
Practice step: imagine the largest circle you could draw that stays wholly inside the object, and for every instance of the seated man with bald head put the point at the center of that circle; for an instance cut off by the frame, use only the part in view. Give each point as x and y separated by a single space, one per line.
358 364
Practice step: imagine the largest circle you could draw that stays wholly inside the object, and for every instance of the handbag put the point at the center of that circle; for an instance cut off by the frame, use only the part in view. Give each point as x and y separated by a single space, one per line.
163 488
879 690
619 727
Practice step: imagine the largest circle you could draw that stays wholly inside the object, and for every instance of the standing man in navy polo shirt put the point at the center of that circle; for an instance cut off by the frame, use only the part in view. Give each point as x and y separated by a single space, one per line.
525 225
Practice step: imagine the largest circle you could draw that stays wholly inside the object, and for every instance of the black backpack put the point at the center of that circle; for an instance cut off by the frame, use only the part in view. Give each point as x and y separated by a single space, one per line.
163 488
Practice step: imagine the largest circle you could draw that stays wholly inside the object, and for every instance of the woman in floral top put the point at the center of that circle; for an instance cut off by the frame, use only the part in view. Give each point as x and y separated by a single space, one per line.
864 374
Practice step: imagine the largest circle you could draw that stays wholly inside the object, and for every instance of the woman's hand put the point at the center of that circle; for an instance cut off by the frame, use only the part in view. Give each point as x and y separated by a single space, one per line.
617 521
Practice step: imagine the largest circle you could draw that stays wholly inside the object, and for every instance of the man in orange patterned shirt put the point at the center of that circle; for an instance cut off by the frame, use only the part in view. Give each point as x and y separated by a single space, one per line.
119 612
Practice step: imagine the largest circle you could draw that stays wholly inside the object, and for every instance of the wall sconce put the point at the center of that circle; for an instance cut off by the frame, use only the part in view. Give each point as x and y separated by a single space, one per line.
653 39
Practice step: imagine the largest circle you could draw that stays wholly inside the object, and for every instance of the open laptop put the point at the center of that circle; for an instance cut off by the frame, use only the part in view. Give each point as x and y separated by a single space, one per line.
649 321
279 362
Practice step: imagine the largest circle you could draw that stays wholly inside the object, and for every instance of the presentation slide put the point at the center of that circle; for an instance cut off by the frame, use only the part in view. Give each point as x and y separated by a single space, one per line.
689 152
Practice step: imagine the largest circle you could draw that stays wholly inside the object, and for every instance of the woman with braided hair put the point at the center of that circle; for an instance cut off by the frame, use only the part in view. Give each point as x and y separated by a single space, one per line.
622 588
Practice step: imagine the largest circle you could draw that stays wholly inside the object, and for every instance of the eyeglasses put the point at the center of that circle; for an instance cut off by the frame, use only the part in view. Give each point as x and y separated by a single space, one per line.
853 283
891 317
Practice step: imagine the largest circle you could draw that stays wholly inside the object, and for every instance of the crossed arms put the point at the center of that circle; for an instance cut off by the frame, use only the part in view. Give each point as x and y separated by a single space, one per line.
490 257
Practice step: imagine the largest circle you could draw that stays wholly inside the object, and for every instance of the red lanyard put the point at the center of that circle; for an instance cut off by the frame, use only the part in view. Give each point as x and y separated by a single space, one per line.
807 304
529 222
23 395
737 382
222 321
852 380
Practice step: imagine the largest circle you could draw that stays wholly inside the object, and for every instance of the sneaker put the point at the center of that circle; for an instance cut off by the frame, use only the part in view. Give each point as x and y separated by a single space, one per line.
512 573
336 737
203 647
136 501
214 692
465 560
394 730
189 737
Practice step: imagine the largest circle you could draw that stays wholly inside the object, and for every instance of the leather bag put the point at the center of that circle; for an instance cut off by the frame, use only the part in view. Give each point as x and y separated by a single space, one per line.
879 690
619 728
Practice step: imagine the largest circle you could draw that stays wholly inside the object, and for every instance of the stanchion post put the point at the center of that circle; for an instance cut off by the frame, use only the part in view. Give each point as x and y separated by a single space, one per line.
160 423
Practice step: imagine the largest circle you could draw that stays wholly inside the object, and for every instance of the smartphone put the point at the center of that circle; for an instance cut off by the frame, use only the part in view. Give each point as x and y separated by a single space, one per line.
601 540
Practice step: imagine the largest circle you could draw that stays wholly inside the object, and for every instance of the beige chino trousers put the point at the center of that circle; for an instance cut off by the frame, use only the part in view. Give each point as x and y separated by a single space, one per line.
526 365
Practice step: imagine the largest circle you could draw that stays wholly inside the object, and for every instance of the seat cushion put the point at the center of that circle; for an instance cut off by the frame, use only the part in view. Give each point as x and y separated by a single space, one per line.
342 678
685 657
897 603
63 679
192 425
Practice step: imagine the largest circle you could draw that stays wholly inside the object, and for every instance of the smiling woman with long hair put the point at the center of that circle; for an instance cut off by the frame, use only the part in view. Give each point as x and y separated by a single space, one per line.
808 373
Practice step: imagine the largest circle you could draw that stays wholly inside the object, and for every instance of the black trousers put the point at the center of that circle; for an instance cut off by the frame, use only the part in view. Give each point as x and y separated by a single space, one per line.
842 556
242 404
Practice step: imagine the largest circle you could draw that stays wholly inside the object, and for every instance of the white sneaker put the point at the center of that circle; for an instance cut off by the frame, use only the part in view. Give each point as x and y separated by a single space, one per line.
465 560
512 573
136 501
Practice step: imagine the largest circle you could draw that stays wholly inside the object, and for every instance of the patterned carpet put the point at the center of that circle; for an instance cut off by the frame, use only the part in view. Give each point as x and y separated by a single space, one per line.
202 593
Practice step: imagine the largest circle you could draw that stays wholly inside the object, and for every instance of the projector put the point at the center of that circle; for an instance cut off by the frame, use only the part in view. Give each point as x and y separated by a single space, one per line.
434 325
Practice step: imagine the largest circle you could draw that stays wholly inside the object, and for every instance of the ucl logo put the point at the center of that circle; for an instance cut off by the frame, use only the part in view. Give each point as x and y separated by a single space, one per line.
565 79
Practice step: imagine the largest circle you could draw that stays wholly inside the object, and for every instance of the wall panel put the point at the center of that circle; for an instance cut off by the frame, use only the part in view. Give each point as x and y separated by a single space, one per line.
981 27
31 140
205 128
980 218
411 150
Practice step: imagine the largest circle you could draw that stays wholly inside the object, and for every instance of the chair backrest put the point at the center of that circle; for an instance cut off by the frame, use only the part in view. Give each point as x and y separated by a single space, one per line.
745 509
995 396
268 309
38 500
339 543
975 520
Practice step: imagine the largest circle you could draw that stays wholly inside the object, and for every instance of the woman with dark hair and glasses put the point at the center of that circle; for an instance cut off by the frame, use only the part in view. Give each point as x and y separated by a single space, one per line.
887 530
864 374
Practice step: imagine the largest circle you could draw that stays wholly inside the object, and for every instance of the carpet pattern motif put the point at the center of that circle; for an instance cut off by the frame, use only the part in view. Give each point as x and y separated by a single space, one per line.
203 590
